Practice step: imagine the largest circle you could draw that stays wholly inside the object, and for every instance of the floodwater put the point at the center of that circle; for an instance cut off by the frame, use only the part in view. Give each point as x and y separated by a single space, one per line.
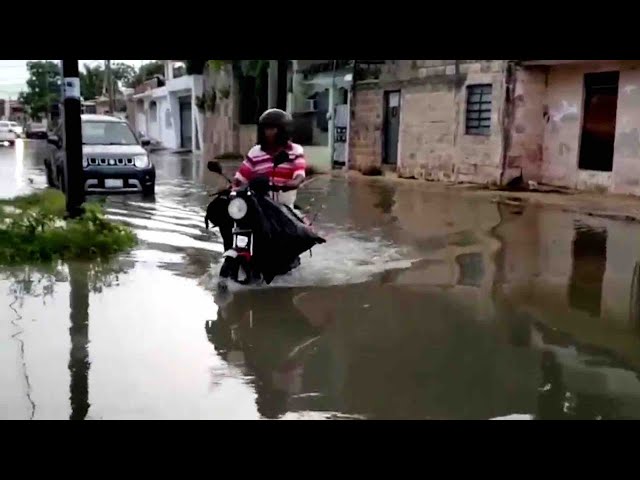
420 306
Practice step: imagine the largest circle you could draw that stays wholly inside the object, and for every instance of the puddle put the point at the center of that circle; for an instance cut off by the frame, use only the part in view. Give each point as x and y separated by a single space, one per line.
426 306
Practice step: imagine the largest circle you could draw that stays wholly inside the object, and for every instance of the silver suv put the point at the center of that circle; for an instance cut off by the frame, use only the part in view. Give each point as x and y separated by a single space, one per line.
113 158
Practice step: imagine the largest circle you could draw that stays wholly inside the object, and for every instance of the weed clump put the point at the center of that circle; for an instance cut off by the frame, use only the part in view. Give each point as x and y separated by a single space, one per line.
33 229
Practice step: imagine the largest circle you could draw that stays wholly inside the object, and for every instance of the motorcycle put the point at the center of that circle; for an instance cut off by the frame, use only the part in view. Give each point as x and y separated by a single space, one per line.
262 239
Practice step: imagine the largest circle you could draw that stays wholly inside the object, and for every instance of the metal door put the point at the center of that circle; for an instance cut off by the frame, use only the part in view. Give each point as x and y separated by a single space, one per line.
186 127
391 127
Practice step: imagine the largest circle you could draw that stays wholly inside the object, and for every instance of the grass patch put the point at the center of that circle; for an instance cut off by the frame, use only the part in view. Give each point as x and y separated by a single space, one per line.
33 229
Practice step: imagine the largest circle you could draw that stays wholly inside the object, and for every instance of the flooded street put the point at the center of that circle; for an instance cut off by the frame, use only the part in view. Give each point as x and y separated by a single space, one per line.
421 305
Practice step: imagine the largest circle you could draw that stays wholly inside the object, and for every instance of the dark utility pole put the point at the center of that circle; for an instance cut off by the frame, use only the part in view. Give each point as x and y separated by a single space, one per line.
79 334
109 81
281 98
74 173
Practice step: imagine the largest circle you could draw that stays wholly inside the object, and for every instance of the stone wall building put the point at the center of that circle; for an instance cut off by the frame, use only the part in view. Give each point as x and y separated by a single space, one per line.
412 115
567 123
576 124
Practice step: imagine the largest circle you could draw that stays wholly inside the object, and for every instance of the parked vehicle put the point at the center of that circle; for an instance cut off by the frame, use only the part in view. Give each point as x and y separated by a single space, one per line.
17 129
7 135
36 131
113 158
262 239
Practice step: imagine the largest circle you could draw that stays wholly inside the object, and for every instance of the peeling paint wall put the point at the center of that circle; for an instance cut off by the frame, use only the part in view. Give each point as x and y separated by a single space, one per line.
524 152
432 141
563 126
626 150
548 114
563 122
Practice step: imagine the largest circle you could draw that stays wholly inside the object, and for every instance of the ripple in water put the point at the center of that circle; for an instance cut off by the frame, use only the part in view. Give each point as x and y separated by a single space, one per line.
344 259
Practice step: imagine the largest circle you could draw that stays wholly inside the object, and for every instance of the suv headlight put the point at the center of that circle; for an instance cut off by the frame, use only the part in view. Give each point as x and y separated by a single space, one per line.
141 161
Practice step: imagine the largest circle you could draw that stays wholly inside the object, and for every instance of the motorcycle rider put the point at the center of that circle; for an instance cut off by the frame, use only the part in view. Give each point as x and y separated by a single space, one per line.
276 157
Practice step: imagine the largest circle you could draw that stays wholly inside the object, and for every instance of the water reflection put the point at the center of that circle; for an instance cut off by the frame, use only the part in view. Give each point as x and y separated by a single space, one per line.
502 310
266 337
491 323
79 334
43 282
634 298
589 252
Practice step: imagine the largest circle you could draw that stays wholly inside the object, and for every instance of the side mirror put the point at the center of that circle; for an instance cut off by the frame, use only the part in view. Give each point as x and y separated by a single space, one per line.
145 142
214 167
54 140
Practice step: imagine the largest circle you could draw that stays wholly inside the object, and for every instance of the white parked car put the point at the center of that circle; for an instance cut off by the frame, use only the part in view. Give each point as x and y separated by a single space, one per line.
7 135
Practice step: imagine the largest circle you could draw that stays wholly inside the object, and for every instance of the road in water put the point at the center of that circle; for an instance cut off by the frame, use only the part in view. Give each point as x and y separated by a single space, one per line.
420 305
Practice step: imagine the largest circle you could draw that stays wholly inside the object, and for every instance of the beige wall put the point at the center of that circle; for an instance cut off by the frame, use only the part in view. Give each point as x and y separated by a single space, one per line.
432 142
248 137
526 136
557 109
626 156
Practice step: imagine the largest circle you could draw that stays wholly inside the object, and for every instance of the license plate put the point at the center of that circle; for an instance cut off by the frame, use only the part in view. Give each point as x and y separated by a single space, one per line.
113 183
242 241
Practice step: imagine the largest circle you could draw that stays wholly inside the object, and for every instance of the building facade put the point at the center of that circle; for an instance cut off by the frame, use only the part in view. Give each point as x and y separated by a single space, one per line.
577 124
165 109
429 119
566 123
317 93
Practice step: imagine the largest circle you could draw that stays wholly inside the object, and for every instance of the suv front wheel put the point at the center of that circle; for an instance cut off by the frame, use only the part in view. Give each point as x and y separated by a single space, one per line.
149 190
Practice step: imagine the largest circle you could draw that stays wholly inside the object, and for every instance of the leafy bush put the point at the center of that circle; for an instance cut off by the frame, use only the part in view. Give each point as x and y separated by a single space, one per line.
33 229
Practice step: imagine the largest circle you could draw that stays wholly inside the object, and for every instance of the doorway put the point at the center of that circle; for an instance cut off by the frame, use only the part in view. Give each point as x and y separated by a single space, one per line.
391 127
599 121
186 128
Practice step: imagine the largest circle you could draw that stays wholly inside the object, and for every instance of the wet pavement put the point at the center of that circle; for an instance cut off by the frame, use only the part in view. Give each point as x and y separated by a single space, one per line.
420 305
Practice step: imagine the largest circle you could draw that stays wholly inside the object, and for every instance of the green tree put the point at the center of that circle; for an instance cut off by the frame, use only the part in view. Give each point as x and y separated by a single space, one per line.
91 81
43 88
146 72
124 73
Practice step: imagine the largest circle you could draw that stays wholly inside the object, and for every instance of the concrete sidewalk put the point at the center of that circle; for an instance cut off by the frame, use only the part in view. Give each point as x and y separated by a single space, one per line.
617 207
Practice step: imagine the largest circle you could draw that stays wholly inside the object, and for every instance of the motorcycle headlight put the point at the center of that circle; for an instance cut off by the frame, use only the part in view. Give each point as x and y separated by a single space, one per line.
141 161
237 208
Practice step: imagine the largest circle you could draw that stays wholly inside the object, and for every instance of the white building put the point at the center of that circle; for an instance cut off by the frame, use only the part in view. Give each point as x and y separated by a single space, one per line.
165 109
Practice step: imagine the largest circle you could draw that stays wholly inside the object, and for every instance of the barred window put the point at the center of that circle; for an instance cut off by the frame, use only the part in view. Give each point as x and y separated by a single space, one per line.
478 119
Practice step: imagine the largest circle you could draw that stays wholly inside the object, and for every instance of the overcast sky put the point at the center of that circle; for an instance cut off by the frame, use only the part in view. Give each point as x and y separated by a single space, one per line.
13 74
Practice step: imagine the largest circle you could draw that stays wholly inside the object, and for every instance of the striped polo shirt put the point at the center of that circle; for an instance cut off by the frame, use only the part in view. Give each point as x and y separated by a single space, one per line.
260 163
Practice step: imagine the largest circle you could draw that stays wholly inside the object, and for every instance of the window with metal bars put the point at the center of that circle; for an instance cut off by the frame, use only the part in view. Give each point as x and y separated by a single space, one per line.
478 116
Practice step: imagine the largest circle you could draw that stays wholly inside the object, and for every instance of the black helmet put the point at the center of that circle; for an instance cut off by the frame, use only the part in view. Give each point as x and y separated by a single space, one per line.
279 119
275 117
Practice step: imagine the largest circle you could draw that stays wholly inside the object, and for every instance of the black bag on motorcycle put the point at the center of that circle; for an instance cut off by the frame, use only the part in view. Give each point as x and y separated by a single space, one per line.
279 238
